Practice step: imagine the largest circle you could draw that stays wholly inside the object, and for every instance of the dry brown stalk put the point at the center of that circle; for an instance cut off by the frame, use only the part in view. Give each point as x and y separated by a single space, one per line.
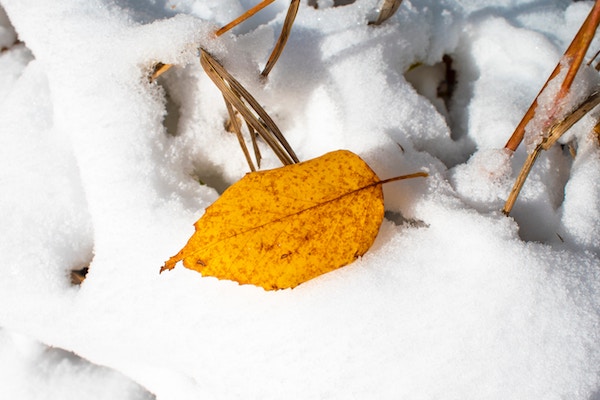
572 57
252 112
554 133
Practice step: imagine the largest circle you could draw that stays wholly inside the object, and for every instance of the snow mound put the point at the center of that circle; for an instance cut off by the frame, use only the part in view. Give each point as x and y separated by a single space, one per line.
103 169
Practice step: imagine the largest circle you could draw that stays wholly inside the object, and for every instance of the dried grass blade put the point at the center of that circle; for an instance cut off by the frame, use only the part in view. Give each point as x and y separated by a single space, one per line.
158 70
597 132
260 128
253 136
573 57
237 95
238 132
555 132
386 10
564 125
244 17
283 37
263 125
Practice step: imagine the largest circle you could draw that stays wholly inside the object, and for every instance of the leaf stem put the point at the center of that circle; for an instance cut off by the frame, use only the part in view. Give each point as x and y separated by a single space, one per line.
402 177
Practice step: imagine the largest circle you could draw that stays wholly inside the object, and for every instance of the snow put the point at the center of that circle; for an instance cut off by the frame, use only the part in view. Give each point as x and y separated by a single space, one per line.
454 300
36 371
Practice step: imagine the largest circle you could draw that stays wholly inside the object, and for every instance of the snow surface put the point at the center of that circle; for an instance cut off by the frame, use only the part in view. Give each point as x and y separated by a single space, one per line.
454 300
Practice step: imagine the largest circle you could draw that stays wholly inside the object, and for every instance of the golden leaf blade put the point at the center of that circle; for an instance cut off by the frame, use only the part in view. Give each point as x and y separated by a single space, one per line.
279 228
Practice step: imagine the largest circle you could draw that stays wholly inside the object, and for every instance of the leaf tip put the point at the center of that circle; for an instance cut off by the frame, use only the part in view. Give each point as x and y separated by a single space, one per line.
170 263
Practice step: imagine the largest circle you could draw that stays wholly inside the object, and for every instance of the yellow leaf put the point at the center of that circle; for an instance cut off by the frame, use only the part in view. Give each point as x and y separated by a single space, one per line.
282 227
